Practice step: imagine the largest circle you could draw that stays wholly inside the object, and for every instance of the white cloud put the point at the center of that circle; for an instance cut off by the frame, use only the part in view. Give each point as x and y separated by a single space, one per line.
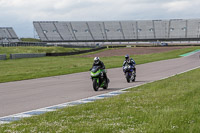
177 6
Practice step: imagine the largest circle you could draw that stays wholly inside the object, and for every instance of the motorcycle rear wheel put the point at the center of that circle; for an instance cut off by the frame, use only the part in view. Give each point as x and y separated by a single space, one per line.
105 86
133 79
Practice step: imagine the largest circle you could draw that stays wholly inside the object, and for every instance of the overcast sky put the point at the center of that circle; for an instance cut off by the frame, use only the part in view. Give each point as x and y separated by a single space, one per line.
20 14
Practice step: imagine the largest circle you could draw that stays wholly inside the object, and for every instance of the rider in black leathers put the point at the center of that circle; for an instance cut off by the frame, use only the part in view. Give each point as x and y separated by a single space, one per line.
130 62
97 62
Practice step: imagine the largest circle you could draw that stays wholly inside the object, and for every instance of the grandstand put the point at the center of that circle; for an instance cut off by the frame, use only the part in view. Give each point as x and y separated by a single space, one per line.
8 38
7 35
118 31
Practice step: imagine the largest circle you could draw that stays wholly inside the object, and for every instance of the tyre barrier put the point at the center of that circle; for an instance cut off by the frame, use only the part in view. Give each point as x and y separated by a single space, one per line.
2 57
19 56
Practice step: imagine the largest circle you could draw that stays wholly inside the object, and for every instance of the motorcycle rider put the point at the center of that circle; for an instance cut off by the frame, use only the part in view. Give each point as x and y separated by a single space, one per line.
129 61
98 62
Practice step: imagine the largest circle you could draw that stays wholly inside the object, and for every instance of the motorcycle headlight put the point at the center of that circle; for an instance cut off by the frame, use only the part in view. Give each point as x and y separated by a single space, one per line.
94 74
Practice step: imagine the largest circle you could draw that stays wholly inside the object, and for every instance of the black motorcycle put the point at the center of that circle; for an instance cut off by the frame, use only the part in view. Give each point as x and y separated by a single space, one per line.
129 72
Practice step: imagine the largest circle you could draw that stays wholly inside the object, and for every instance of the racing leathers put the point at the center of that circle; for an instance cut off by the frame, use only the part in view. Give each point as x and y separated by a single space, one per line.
130 62
102 66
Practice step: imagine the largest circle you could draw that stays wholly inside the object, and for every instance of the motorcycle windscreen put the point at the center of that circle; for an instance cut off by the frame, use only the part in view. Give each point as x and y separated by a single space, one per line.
95 69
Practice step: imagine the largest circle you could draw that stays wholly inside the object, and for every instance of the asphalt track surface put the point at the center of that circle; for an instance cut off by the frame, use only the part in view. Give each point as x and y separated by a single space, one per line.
22 96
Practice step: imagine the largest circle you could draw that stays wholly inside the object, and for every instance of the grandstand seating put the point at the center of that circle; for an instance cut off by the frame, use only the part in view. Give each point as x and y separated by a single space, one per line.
129 29
97 31
193 28
161 28
145 29
81 31
177 28
113 30
7 34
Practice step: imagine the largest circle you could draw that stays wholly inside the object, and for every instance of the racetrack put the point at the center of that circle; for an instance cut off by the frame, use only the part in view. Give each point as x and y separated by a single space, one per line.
21 96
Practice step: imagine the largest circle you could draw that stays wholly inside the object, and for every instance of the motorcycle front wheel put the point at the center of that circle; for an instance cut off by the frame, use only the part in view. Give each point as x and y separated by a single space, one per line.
95 85
127 77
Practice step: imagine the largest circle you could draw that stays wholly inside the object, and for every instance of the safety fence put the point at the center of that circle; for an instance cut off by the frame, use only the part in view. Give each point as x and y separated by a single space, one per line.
17 44
19 56
2 57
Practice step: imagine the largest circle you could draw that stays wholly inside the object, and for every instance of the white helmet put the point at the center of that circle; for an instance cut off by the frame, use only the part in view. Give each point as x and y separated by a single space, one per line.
96 60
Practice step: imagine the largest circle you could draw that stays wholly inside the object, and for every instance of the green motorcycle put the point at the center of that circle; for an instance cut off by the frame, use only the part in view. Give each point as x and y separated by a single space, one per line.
99 81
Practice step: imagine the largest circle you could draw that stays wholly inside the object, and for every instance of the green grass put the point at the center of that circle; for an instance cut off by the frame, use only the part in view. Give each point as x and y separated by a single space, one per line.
37 49
30 40
21 69
170 105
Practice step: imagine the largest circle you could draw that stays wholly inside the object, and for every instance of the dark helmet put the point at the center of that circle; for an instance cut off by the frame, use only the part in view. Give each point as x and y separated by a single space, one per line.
127 57
96 60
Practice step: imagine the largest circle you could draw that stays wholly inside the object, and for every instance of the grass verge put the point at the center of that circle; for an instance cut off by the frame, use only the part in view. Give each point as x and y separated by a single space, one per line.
36 49
21 69
170 105
30 40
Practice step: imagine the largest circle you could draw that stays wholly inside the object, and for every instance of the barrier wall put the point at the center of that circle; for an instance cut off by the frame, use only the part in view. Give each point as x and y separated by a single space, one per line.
18 56
75 53
2 57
